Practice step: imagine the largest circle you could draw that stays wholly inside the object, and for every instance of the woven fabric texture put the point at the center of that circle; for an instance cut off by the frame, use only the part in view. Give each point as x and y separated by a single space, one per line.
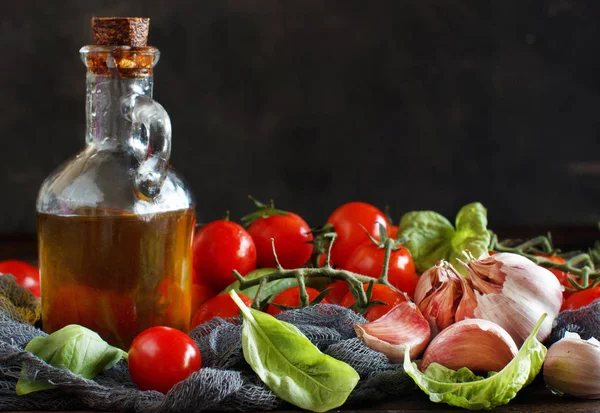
225 382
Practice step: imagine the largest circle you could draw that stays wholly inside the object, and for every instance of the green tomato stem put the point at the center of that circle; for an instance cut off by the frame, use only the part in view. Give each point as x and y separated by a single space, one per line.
302 286
354 279
389 245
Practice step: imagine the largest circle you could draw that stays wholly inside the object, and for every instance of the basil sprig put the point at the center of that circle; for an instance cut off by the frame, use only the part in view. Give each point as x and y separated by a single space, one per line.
290 365
431 237
74 348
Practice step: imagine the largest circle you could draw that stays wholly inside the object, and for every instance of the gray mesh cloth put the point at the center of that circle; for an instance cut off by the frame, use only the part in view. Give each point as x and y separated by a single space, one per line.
225 381
584 321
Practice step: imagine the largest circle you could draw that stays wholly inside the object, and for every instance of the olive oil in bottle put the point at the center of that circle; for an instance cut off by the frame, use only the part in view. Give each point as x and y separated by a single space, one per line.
115 223
116 274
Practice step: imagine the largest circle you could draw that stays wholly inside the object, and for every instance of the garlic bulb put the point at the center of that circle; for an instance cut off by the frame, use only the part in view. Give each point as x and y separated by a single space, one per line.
401 326
514 292
572 367
439 295
479 345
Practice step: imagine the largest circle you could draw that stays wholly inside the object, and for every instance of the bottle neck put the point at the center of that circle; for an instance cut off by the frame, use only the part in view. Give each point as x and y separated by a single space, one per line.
106 126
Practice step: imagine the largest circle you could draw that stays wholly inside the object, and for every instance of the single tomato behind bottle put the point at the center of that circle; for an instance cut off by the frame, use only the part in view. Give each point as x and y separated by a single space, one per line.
220 306
291 298
110 314
219 248
290 233
161 357
352 222
26 274
390 297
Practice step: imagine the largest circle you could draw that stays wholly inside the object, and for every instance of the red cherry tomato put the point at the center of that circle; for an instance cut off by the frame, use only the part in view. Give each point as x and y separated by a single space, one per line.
291 298
383 293
26 274
219 248
220 306
339 289
201 293
161 357
581 299
292 237
562 276
348 221
394 232
367 259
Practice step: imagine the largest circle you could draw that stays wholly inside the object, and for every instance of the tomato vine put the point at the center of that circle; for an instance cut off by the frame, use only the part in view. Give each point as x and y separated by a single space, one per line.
355 281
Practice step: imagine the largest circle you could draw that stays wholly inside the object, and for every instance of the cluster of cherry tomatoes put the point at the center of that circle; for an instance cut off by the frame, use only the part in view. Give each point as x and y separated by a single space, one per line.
223 246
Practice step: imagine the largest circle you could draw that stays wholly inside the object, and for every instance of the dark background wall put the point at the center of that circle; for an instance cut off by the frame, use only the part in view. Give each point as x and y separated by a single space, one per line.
416 104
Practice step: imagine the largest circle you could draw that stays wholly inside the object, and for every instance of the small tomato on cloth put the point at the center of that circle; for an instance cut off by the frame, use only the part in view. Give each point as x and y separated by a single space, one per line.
220 306
161 357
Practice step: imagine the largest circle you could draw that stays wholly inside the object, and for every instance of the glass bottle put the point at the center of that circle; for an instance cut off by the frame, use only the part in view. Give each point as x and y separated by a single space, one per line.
115 223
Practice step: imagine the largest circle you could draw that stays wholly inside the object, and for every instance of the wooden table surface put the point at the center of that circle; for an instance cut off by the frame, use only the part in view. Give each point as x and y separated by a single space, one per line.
533 399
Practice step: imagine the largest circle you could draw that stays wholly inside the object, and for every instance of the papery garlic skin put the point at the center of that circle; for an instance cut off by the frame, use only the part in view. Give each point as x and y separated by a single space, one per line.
514 292
401 326
480 345
572 367
438 294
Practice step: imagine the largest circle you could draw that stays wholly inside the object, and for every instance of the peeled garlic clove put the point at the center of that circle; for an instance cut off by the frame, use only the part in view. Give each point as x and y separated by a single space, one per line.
401 326
572 367
479 345
514 292
437 295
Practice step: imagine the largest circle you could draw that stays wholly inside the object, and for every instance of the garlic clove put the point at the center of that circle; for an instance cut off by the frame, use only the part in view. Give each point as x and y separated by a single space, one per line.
401 326
572 367
480 345
514 292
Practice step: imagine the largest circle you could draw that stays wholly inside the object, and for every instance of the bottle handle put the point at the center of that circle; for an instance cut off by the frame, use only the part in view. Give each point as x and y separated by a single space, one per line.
144 111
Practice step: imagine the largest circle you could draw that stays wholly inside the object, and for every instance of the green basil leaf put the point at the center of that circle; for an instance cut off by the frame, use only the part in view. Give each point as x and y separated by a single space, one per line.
290 365
471 233
432 238
463 388
429 237
74 348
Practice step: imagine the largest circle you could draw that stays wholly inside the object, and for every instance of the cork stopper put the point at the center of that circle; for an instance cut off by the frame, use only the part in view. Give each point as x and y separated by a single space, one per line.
120 31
